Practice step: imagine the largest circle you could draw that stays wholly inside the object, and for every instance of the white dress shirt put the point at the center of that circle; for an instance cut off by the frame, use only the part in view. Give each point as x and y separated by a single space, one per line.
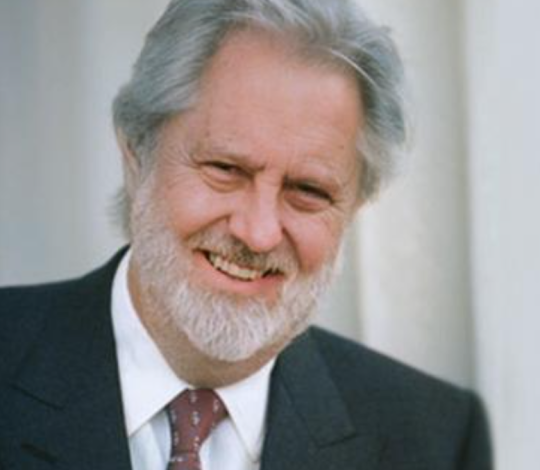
148 384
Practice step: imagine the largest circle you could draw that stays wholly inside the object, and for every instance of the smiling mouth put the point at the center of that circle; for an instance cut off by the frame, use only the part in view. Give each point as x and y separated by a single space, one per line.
240 273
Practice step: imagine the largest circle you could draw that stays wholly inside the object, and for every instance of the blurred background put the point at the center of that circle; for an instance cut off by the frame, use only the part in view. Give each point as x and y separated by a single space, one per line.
443 272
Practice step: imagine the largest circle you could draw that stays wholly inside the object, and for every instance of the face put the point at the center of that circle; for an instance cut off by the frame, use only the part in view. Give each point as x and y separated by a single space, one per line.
237 227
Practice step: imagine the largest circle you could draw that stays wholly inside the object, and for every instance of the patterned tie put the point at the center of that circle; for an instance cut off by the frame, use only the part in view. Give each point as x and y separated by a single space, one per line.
192 416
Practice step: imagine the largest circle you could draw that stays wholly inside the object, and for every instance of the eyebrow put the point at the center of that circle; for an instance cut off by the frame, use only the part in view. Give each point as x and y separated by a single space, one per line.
242 159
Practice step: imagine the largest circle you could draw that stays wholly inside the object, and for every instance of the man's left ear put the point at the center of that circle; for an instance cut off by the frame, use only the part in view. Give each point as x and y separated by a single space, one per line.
130 164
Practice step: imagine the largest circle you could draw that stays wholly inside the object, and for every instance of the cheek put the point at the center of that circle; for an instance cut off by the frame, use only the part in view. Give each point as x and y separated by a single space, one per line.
315 240
190 206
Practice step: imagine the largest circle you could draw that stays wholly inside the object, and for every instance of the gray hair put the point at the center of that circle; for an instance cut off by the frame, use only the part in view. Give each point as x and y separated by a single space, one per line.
168 71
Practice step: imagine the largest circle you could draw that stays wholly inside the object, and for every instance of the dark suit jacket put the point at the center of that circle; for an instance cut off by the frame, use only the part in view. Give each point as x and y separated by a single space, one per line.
333 404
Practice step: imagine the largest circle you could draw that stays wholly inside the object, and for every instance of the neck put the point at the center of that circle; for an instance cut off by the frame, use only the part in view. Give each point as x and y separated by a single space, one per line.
201 370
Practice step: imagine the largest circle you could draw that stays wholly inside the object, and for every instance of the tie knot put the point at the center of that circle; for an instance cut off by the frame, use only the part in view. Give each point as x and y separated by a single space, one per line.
193 415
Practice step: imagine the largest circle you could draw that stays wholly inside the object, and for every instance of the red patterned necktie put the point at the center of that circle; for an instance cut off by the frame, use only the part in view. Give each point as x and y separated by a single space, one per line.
192 416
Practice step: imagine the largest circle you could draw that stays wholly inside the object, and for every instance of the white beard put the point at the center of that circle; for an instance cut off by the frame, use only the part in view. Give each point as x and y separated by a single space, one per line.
222 326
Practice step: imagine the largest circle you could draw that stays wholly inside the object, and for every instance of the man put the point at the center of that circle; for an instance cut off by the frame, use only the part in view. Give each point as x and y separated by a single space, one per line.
251 131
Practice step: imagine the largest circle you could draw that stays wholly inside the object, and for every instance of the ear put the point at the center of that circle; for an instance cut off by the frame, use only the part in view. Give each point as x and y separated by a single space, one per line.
130 165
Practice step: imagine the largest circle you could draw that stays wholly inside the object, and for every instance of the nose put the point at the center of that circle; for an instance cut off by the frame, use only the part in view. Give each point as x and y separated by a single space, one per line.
257 223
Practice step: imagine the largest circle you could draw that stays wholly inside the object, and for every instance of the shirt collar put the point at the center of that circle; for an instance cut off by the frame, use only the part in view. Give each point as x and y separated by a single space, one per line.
148 383
246 402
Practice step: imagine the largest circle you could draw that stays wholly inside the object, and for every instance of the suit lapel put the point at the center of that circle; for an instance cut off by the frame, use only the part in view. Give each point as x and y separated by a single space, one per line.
69 382
309 425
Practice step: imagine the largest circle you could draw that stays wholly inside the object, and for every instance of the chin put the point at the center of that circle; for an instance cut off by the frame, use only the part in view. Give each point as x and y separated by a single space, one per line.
225 328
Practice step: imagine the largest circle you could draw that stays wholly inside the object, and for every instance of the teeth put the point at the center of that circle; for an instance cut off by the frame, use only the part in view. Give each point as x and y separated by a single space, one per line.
244 274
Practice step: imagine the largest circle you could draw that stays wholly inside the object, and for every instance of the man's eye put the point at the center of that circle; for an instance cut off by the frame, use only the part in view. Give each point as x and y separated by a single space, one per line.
223 166
307 197
314 192
221 175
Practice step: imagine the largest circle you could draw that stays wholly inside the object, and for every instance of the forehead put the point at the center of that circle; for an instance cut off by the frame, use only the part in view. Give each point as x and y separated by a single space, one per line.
258 98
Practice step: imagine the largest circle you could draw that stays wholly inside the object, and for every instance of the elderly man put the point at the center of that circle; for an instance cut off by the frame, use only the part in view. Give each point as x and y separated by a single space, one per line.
251 131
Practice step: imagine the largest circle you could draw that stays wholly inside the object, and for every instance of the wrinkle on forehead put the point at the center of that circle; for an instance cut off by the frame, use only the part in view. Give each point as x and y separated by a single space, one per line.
258 64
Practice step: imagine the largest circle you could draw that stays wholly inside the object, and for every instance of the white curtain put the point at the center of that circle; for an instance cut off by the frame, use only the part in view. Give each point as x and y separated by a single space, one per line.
446 266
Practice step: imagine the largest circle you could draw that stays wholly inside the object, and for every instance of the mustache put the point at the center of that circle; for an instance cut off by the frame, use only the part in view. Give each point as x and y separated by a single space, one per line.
281 260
